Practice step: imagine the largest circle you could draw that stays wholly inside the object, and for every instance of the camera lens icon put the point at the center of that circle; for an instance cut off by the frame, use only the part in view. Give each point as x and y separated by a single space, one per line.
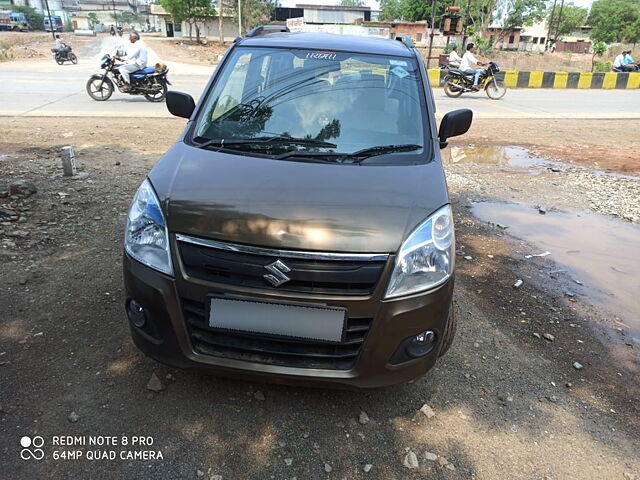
35 452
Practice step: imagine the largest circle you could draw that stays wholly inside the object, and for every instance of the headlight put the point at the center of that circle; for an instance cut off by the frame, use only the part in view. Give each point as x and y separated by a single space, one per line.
145 237
426 258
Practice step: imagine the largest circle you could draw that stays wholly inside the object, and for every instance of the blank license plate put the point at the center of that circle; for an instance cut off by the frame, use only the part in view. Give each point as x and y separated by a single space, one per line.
307 322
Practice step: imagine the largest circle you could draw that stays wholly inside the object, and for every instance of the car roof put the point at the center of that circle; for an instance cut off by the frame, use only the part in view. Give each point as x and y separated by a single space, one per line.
329 41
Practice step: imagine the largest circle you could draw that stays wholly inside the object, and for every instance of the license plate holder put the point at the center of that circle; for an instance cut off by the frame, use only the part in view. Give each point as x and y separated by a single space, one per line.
287 320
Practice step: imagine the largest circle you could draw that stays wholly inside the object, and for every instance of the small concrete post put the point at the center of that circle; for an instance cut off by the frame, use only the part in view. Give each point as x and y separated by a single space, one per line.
68 162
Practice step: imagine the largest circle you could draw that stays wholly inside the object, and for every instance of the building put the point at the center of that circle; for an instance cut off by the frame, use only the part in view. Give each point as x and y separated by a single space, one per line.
208 29
534 38
502 39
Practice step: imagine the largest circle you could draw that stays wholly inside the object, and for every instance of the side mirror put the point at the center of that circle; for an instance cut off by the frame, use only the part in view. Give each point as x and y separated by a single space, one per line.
180 104
453 124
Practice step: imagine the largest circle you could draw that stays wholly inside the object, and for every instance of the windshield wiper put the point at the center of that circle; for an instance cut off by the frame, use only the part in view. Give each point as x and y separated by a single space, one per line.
222 143
365 153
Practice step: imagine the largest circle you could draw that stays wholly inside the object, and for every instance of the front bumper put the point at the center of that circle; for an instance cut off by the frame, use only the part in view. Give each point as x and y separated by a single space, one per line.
166 338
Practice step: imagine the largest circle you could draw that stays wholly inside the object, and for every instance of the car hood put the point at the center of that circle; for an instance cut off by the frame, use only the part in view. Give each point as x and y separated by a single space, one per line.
295 205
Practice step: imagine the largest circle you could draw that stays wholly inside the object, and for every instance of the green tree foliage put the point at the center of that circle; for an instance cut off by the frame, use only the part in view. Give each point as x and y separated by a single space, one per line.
194 12
520 13
411 10
615 21
572 18
34 17
598 50
254 12
93 19
351 3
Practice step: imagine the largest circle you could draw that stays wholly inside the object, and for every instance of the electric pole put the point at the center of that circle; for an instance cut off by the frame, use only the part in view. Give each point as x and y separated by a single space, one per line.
433 26
115 15
239 18
46 2
551 18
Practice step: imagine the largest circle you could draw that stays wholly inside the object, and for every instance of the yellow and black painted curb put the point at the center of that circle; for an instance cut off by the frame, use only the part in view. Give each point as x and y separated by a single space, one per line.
513 79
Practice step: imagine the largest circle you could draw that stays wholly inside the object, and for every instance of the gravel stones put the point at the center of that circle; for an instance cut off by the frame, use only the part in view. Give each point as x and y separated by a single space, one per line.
74 417
578 365
363 418
427 411
154 384
411 461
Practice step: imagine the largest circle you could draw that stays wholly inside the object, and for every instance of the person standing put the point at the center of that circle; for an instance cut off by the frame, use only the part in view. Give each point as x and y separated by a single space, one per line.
470 64
136 60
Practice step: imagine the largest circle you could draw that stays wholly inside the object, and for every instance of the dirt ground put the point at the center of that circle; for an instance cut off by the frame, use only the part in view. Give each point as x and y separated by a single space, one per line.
34 45
507 403
568 140
180 50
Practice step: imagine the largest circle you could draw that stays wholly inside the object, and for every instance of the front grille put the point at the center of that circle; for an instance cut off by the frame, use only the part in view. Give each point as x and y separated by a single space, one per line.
307 275
274 351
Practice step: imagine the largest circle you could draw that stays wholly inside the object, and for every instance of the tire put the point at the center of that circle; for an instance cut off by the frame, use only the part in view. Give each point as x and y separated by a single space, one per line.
73 58
449 331
452 91
159 96
495 89
59 61
97 93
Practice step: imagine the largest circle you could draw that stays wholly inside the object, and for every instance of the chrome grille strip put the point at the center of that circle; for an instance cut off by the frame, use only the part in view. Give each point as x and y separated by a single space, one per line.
308 255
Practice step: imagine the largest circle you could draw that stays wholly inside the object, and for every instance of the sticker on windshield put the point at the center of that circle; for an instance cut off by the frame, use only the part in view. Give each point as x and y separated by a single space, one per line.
402 63
399 72
320 55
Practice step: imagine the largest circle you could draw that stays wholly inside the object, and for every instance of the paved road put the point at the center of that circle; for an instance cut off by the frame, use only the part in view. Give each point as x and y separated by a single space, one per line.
45 89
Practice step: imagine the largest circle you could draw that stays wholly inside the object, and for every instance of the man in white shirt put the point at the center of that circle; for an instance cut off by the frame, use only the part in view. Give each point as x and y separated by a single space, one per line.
470 63
136 60
454 58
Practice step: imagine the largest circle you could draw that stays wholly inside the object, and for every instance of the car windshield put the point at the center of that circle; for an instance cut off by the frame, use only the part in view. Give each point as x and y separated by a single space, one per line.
289 103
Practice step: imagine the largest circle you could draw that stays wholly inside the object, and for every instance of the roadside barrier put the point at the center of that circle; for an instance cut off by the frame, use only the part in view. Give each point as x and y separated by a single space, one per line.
583 80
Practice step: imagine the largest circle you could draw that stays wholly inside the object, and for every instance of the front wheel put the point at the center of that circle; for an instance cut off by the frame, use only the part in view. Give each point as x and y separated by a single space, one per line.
73 58
100 88
59 60
495 89
158 95
452 88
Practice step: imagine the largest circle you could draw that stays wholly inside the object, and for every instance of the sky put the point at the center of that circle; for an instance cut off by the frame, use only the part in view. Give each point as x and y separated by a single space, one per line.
375 6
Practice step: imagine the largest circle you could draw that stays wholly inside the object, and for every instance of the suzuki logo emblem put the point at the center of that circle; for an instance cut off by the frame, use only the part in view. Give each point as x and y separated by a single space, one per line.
277 273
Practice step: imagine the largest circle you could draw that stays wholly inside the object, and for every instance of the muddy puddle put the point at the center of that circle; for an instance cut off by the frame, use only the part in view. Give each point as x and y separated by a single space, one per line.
492 155
602 254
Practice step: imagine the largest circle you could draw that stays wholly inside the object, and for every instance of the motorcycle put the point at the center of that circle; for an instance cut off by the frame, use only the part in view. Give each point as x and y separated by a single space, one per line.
456 82
148 82
64 54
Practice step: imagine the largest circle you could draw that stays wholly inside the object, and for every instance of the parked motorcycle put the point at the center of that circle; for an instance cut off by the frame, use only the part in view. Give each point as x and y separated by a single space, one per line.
64 54
456 82
147 82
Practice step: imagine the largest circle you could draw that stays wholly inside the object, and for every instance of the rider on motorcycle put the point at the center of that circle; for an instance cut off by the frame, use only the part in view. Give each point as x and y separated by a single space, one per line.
61 47
470 64
454 58
136 58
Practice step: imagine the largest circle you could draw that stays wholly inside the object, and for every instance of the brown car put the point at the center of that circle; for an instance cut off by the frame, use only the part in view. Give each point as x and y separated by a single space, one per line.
300 228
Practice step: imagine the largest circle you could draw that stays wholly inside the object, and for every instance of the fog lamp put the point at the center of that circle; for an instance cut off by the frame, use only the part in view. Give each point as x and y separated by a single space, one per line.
421 344
136 313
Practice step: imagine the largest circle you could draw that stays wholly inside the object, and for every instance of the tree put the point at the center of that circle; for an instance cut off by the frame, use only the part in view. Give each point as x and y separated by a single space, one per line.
193 12
93 19
615 21
598 49
572 18
254 12
411 10
513 14
390 10
34 17
351 3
